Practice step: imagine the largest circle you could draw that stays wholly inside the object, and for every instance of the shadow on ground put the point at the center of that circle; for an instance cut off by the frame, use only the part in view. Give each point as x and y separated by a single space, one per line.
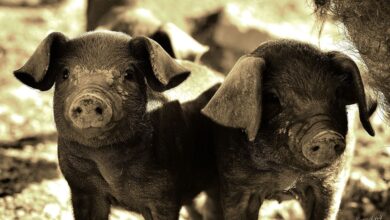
16 173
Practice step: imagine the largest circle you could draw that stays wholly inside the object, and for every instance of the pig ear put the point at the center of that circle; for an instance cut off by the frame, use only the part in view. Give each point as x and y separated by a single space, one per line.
178 43
164 40
162 72
237 103
35 72
355 93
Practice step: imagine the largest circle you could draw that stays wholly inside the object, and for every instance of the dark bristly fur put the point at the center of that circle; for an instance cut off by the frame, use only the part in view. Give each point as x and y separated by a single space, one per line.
297 87
150 162
367 25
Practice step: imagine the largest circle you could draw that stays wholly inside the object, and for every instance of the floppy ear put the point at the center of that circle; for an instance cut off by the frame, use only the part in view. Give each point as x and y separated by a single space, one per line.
237 103
164 40
178 43
36 71
162 72
355 92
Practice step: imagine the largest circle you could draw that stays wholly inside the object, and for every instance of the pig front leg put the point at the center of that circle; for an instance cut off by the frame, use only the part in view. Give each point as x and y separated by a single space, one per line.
162 211
212 209
86 185
322 200
235 203
254 205
89 206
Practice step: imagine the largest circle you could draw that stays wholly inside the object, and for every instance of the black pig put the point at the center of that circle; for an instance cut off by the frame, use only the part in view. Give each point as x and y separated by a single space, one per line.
284 123
111 149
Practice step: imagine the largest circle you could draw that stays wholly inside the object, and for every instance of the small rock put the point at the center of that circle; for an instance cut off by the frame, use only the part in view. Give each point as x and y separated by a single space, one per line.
52 210
20 212
9 199
386 151
368 209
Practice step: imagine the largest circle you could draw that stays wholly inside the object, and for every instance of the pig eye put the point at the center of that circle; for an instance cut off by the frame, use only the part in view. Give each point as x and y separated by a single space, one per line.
271 105
65 73
129 74
271 97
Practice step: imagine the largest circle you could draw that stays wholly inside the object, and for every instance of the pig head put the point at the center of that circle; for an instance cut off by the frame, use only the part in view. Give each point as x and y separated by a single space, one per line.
301 99
100 82
283 111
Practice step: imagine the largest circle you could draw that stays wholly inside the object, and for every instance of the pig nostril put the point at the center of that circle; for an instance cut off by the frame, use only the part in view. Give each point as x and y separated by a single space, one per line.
79 110
338 148
99 110
315 148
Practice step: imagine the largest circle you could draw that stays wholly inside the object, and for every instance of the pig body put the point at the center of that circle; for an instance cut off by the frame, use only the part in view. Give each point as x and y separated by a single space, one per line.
281 127
113 148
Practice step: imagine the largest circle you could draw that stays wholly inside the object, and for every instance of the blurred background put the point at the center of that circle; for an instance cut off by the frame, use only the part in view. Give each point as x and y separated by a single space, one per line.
31 185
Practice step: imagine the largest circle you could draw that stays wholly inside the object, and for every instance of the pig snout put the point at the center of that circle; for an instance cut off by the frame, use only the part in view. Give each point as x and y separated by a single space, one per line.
90 110
323 147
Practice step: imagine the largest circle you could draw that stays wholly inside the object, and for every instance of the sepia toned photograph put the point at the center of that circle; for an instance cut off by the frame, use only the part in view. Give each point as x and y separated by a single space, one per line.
195 110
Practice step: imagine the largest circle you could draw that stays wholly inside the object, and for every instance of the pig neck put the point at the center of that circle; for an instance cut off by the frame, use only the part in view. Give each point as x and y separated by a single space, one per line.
125 150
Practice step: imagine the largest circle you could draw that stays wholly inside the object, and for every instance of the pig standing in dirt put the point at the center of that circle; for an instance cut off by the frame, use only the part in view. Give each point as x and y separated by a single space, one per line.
112 150
284 124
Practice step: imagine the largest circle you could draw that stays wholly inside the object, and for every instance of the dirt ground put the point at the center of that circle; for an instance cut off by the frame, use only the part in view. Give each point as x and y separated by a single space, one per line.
31 185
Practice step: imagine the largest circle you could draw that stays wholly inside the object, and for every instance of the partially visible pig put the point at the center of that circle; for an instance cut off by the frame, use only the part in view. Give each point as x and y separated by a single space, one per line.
127 17
282 125
112 150
96 9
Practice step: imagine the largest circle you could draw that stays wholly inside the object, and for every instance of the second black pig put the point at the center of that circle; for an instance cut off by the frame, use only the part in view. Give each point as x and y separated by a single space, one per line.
112 150
284 124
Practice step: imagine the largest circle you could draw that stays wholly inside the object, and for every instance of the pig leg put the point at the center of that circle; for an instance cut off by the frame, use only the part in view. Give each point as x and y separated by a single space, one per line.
254 205
87 202
234 203
212 209
322 200
315 203
89 206
162 211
